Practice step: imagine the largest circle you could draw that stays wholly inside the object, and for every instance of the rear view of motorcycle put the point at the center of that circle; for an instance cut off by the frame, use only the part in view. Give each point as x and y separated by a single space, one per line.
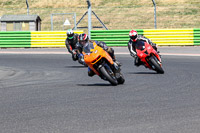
149 57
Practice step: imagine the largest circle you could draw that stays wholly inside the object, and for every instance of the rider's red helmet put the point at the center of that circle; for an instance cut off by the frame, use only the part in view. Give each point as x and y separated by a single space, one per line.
133 35
83 38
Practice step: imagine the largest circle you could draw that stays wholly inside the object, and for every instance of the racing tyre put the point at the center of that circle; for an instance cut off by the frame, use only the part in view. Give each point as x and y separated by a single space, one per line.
154 62
121 79
109 77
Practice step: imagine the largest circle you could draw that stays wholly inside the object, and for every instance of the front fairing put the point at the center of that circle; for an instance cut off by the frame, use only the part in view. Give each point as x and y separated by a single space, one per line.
141 49
144 51
93 54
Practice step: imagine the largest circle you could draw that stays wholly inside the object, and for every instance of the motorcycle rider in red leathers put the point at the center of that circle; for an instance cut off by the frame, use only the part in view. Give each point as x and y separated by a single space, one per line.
134 39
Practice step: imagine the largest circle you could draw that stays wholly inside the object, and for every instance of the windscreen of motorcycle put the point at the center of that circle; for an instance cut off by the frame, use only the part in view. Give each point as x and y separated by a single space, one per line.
140 45
87 48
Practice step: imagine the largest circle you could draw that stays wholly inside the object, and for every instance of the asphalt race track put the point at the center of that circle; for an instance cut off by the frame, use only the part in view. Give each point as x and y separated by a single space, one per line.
50 93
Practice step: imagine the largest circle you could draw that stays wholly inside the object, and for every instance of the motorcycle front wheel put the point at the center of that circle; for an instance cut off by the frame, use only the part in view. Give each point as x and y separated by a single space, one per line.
154 62
108 76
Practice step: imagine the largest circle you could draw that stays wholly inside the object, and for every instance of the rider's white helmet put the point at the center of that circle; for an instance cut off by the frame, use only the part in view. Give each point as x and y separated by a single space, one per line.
70 34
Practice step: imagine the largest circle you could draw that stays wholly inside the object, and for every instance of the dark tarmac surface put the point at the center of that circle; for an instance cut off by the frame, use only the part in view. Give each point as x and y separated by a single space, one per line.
50 93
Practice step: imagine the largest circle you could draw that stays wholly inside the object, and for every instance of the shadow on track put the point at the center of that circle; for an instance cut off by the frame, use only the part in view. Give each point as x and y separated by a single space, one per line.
75 67
97 84
140 73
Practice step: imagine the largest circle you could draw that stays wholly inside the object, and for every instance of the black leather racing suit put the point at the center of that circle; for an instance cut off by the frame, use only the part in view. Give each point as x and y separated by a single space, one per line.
71 43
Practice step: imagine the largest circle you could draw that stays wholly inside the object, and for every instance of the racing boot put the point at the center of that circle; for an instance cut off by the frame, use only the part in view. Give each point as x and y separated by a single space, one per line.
118 63
115 61
137 62
111 53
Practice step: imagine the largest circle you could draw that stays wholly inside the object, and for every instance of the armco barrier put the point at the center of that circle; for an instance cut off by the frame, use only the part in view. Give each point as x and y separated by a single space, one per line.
112 37
162 37
170 36
33 39
15 39
49 38
196 36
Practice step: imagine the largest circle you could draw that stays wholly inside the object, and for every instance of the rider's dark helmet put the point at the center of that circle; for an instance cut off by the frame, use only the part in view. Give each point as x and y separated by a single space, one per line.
83 39
133 35
70 34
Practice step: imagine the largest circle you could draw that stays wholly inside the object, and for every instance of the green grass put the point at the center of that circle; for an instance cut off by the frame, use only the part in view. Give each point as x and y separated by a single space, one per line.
8 3
191 11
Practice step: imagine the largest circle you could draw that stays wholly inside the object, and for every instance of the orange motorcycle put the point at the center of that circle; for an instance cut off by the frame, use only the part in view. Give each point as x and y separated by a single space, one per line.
102 64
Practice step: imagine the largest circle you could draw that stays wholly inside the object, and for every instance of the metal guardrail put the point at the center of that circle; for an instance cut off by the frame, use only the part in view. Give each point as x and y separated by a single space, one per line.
15 39
162 37
33 39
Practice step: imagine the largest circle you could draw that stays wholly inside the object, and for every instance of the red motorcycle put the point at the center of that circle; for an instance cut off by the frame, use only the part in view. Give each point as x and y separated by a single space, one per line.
149 56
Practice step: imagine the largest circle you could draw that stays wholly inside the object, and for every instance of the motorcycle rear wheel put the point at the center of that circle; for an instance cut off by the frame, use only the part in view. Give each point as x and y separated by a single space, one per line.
109 77
121 79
